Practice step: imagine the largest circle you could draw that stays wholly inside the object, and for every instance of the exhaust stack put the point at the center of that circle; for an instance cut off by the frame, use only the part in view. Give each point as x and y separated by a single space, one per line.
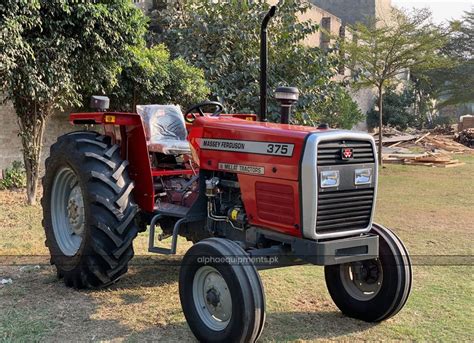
263 63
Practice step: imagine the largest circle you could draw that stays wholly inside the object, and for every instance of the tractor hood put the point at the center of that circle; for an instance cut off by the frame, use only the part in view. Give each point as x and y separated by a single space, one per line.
267 149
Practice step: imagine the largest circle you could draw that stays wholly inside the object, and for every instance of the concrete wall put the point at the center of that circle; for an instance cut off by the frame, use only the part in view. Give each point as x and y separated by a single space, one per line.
144 5
10 143
353 11
323 18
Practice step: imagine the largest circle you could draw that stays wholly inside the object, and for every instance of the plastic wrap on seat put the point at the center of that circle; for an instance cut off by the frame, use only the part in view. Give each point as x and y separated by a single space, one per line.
164 128
162 122
170 147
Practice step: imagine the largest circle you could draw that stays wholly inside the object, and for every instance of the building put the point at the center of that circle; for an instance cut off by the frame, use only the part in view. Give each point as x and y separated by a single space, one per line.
354 11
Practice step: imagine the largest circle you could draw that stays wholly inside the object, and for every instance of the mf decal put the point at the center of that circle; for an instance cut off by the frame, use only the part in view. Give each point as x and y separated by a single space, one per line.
240 168
251 147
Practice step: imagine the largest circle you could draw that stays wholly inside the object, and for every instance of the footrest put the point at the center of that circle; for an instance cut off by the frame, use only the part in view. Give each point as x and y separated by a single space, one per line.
174 239
172 210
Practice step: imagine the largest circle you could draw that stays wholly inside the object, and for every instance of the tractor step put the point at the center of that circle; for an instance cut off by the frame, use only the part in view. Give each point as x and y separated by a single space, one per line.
174 240
171 210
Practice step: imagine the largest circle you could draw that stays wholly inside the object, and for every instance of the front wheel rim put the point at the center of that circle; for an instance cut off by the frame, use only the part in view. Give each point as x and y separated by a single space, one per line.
212 298
362 280
67 211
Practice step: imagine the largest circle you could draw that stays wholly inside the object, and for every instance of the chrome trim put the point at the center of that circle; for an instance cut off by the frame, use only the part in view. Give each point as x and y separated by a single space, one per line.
309 179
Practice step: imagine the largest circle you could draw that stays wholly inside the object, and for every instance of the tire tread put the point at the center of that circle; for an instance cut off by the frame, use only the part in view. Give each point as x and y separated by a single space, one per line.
112 228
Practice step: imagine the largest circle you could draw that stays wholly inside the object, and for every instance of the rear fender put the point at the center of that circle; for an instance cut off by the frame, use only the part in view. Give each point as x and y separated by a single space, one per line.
126 130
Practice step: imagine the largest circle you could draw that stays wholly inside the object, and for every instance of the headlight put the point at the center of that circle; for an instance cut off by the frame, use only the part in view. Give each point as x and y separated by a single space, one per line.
363 176
329 178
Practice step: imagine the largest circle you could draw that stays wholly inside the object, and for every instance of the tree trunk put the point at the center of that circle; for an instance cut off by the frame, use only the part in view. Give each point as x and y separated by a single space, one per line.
380 125
31 122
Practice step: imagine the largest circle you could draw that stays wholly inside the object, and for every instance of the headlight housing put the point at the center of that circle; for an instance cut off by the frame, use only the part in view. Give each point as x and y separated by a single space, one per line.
329 178
363 176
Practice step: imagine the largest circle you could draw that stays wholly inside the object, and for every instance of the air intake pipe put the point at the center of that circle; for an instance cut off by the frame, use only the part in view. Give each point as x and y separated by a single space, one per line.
263 63
286 96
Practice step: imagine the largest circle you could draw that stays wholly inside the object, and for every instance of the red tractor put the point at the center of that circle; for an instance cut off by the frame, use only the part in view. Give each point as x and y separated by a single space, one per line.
250 194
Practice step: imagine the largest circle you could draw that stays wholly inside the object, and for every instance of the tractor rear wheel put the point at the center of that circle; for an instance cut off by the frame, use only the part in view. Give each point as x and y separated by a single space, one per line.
221 292
88 210
373 290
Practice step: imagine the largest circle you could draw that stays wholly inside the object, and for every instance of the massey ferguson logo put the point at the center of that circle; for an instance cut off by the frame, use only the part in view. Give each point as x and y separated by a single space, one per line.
347 154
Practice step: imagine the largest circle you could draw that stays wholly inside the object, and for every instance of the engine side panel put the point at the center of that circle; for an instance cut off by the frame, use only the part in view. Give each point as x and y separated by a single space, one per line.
271 203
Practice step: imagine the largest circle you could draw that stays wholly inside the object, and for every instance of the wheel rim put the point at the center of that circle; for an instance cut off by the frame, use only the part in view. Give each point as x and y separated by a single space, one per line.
362 280
67 211
212 298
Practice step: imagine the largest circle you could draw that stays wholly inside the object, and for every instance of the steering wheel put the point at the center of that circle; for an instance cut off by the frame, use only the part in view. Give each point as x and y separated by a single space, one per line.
190 115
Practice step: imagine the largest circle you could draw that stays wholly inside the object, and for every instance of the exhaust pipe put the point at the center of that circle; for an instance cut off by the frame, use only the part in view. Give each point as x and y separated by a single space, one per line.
263 63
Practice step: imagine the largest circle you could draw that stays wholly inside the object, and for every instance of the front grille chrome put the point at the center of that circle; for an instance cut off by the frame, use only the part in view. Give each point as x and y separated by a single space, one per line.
344 210
329 153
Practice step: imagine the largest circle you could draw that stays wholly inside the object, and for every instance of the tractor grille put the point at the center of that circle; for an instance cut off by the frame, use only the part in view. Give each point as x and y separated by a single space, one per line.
344 210
329 153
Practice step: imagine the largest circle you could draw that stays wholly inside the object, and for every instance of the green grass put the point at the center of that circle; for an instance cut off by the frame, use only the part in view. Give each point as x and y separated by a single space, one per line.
26 326
431 209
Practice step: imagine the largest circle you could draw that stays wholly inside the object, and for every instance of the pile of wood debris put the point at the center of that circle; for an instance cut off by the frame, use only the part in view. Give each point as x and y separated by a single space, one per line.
465 137
421 149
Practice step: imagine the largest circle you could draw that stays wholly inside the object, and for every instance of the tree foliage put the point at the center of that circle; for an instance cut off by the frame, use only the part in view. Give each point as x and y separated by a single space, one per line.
398 110
150 76
55 54
20 16
453 85
55 51
222 37
384 50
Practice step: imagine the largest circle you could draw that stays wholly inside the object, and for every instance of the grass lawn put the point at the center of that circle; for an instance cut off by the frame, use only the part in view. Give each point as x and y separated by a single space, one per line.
430 208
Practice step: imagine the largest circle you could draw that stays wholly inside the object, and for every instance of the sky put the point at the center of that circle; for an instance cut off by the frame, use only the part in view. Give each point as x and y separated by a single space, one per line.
443 10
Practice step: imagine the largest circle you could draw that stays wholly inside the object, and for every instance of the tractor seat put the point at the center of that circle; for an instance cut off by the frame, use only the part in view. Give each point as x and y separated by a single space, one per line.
165 130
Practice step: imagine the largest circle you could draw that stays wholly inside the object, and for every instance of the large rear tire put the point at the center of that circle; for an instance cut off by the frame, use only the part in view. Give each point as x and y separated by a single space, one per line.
373 290
88 210
221 292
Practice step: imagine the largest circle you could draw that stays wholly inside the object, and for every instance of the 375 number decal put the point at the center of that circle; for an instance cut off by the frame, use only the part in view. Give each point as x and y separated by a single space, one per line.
277 149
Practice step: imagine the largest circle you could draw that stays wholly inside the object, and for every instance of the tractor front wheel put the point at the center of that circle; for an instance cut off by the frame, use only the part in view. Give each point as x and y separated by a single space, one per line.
373 290
221 293
88 211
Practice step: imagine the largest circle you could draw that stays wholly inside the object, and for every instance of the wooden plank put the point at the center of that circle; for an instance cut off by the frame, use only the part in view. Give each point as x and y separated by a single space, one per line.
434 159
411 163
398 139
413 156
422 137
395 144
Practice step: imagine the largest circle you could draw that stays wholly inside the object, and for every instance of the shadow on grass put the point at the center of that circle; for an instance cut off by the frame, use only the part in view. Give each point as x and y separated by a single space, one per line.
289 326
42 308
150 271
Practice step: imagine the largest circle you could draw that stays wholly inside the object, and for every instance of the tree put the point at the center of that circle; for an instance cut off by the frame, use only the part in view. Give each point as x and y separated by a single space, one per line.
222 38
150 76
453 84
22 17
383 51
58 52
460 77
397 110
